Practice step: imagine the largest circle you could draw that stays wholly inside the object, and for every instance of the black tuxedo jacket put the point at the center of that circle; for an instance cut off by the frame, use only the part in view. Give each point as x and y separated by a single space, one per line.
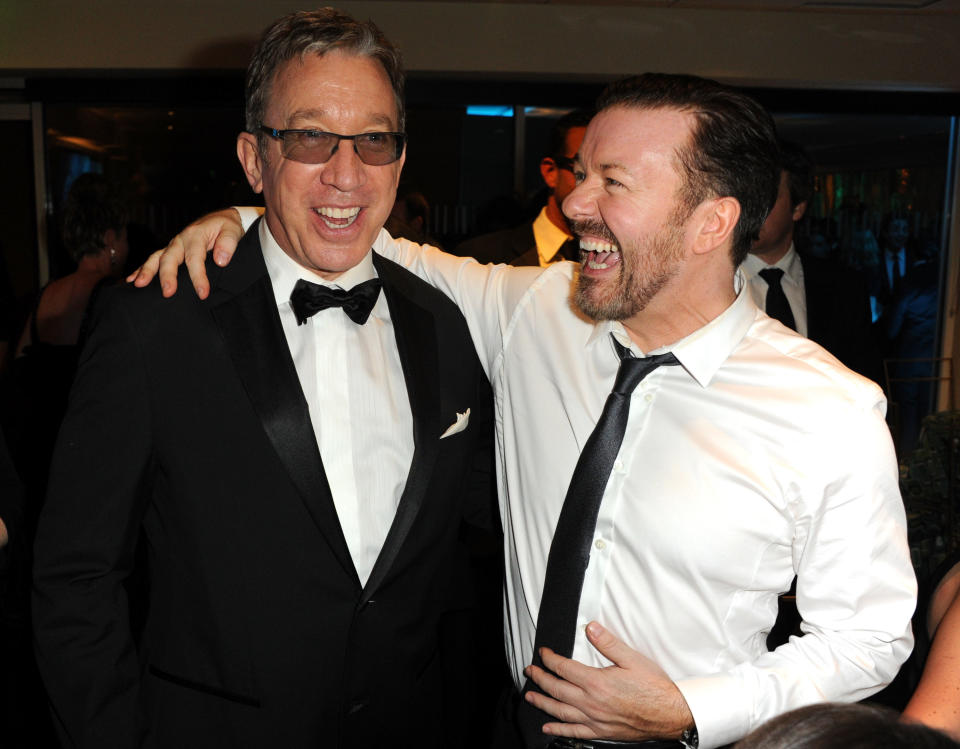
187 421
838 315
515 246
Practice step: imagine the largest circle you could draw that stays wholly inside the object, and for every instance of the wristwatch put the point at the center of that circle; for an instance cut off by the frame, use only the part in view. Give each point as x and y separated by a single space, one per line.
690 738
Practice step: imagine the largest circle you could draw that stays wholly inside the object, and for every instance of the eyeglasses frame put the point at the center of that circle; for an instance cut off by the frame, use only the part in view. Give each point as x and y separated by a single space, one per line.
281 134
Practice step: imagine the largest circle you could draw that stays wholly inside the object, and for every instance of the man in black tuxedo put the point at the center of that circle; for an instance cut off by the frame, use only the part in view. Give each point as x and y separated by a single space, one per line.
298 471
547 239
817 297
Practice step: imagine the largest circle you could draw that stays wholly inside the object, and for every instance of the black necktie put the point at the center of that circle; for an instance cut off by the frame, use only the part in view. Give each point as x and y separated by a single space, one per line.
570 548
309 298
777 305
569 250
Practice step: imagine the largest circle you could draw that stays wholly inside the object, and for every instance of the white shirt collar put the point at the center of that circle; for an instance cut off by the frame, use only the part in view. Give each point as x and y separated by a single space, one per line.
284 271
790 265
548 236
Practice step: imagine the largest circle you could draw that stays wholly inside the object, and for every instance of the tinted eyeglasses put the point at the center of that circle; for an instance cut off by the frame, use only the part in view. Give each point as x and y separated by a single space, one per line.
317 146
563 162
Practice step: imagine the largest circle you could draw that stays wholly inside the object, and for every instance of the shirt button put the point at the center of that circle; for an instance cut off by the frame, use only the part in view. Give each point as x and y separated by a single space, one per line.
600 544
618 466
648 397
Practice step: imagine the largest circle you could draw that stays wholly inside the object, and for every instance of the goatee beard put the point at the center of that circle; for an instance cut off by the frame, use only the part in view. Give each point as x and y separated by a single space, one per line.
644 270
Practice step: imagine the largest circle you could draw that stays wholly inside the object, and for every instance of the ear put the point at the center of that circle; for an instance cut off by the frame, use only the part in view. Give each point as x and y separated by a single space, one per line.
549 172
715 222
798 210
248 151
109 238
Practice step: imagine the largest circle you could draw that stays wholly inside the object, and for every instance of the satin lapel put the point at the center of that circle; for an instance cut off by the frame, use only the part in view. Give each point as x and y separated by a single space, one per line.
251 329
414 329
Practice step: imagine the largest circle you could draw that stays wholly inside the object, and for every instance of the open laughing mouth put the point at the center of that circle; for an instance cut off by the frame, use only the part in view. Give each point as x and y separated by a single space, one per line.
338 218
596 254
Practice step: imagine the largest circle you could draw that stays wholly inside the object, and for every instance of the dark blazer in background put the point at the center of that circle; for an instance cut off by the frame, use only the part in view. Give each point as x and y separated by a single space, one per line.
187 420
839 317
516 246
11 505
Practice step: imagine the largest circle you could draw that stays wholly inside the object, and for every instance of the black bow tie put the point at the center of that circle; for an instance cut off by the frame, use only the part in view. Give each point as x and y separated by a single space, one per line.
309 298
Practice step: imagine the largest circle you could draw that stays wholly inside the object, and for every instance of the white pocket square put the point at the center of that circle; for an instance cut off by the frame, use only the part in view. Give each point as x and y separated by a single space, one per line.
459 425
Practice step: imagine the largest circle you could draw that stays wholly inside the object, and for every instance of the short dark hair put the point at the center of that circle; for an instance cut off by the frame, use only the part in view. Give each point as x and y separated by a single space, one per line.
558 133
93 205
732 150
834 725
316 32
798 165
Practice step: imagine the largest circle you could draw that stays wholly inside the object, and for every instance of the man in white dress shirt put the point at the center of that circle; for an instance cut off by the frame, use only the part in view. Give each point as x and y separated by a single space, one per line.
758 458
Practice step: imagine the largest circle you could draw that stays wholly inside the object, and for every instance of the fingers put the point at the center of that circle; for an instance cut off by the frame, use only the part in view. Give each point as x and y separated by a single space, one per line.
196 266
556 708
552 685
145 273
566 668
220 232
226 244
170 261
609 645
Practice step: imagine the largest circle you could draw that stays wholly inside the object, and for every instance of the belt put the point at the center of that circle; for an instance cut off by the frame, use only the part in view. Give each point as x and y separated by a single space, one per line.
568 743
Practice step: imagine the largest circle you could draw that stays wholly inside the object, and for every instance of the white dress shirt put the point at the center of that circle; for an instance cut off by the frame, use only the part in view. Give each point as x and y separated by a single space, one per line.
791 282
758 458
548 236
354 386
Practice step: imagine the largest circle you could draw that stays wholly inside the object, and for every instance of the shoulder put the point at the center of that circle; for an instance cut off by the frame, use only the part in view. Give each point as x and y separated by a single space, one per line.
807 373
401 281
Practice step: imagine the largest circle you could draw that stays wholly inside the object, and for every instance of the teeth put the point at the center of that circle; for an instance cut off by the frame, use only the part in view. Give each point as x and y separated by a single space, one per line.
338 215
596 245
596 252
338 212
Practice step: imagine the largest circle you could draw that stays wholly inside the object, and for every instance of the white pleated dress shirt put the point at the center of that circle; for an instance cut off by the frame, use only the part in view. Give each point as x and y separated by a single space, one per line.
760 457
354 386
791 282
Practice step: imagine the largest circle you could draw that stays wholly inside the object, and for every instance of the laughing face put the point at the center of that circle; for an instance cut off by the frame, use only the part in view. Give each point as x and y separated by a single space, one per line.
626 210
326 216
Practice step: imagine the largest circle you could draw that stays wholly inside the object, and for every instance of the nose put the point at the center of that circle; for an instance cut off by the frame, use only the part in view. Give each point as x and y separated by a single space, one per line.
343 170
578 202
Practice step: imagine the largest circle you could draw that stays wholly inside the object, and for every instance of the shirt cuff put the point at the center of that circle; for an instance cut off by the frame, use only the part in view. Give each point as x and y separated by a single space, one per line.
716 703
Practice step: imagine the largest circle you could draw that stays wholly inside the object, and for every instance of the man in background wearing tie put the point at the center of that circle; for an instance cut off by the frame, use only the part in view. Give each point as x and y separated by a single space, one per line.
299 471
816 297
547 239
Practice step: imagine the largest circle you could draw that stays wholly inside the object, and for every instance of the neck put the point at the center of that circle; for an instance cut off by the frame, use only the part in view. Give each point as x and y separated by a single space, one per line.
556 215
682 307
95 267
773 255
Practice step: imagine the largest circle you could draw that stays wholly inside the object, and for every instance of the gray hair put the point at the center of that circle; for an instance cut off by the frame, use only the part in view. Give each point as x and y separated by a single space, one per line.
316 32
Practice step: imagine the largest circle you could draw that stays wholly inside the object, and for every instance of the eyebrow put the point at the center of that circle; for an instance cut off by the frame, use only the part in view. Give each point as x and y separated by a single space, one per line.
615 165
312 115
